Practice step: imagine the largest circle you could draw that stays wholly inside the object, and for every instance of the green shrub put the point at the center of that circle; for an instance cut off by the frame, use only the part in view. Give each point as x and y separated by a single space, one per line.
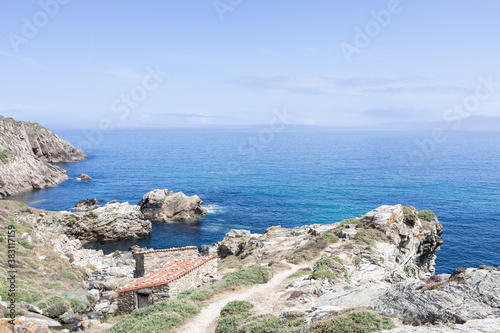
348 221
56 309
230 324
426 215
299 273
329 238
4 156
362 322
322 269
338 259
367 236
312 249
235 308
69 276
268 323
255 274
24 243
157 322
198 295
171 310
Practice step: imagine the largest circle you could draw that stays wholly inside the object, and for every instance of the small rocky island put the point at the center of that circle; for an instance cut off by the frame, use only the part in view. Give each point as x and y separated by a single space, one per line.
27 151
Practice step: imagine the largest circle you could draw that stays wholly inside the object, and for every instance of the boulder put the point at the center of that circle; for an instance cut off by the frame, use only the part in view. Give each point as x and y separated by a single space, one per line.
233 243
87 204
22 325
84 177
68 317
31 307
167 206
113 221
469 294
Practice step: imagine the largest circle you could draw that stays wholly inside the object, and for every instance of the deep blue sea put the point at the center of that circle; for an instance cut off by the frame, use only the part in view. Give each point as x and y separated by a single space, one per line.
295 178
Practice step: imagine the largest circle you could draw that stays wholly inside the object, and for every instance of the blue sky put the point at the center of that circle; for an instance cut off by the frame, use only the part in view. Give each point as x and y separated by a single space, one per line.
235 62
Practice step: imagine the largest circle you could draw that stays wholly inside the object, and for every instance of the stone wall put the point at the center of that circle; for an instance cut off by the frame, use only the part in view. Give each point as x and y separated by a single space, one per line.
128 302
193 278
147 262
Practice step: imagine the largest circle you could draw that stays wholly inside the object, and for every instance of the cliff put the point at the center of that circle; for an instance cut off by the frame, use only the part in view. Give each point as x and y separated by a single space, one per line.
27 151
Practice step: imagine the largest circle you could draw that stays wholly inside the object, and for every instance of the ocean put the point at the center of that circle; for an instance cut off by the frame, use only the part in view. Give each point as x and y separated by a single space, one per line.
257 179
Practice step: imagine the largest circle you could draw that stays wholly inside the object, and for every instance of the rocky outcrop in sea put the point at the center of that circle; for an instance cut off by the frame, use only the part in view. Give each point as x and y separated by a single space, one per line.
27 151
167 206
113 221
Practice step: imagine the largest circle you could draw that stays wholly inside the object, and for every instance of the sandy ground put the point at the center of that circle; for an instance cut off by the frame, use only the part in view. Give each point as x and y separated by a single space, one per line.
264 297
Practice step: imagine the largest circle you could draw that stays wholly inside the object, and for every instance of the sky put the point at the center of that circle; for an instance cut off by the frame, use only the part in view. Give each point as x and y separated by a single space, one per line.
71 64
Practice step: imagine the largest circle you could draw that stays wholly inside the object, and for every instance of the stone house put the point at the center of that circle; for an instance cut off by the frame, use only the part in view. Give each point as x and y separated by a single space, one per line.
149 261
176 273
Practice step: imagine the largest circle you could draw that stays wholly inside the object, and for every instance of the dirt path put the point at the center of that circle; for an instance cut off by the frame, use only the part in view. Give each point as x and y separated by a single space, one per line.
263 296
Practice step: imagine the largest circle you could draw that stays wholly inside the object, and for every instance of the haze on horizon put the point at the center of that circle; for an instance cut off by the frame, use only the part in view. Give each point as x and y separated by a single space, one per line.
217 64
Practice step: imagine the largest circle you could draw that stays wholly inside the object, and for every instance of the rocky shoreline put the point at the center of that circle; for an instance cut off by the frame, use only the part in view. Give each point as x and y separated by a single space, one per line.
27 153
382 261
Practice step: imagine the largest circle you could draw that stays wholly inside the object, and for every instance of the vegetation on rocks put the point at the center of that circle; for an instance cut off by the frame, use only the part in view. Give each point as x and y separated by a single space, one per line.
312 249
235 308
4 156
43 278
426 215
246 322
362 322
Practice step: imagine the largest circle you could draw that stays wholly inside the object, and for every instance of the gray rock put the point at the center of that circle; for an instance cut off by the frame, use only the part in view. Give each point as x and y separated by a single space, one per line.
347 233
93 295
167 206
114 221
84 177
68 317
86 204
30 151
102 307
113 308
233 243
31 307
472 294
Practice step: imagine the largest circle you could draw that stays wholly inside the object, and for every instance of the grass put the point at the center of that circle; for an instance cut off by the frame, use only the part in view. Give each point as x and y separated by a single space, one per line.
248 323
322 269
255 274
311 249
159 317
348 221
235 308
45 288
299 273
4 156
24 243
69 276
426 215
361 322
368 236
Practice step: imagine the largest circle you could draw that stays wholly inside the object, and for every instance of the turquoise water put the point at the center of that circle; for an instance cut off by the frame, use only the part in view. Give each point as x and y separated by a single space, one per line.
296 178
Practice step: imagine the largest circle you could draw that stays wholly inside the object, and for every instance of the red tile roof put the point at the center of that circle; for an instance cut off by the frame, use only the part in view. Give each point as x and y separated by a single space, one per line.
170 250
167 274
